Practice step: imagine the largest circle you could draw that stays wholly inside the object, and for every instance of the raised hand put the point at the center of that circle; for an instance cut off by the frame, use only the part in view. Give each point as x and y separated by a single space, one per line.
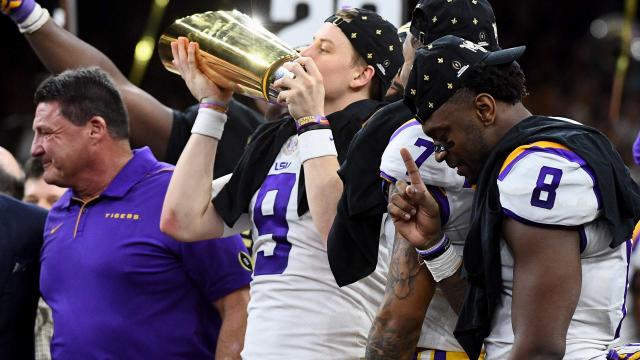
18 10
201 81
414 211
303 94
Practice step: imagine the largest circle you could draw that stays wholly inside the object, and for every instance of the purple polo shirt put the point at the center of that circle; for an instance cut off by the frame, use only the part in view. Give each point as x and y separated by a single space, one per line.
120 288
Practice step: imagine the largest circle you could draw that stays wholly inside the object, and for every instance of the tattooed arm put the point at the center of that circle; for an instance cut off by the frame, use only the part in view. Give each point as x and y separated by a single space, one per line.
410 287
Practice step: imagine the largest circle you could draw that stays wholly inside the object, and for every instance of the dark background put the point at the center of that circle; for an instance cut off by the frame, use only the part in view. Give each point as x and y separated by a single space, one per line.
569 71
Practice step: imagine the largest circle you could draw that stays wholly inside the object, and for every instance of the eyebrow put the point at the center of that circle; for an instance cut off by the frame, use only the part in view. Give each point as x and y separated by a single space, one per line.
326 41
434 129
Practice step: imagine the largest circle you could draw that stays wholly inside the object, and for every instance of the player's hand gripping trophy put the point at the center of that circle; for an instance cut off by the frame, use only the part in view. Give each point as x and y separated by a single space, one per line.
237 52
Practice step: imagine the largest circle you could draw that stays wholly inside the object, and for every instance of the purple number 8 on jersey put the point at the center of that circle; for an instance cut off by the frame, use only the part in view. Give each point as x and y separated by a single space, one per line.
274 223
548 188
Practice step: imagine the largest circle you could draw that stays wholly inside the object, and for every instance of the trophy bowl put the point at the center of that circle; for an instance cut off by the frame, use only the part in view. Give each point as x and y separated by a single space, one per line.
234 47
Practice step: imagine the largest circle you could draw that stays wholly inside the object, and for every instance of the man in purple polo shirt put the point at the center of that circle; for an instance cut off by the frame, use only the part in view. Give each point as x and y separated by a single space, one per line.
118 287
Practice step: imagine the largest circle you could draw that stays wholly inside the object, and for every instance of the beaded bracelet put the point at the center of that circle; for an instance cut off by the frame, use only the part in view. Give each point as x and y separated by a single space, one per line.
209 103
313 122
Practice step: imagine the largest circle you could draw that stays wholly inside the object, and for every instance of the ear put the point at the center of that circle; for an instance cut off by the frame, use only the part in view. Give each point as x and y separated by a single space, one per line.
485 108
97 127
362 76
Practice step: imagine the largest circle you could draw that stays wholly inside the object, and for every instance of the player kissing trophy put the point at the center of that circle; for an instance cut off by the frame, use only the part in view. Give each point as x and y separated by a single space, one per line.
234 47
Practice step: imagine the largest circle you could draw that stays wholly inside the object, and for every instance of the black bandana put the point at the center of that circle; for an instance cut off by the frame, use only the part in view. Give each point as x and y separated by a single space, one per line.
472 20
439 68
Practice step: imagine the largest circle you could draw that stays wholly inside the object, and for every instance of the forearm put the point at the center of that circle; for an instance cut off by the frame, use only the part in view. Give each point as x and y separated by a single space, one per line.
231 338
233 311
187 212
392 336
323 187
396 329
59 50
454 288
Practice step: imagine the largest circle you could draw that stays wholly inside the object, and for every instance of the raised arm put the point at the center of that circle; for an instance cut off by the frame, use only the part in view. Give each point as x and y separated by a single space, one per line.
187 212
416 216
547 278
396 329
59 50
304 96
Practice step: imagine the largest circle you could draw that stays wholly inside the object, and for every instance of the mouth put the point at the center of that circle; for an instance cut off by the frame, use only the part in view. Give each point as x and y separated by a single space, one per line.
460 167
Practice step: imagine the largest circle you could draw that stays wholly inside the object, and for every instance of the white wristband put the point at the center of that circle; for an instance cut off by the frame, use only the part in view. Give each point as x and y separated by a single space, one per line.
35 20
209 123
316 143
444 265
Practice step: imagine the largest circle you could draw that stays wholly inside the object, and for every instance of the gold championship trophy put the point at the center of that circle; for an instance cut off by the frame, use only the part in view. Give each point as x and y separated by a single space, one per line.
234 47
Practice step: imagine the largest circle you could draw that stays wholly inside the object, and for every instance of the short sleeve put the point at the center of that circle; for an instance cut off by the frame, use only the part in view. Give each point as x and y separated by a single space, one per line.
180 133
547 184
411 136
218 266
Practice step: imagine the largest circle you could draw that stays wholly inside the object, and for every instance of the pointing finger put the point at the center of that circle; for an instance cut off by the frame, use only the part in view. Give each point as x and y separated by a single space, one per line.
412 171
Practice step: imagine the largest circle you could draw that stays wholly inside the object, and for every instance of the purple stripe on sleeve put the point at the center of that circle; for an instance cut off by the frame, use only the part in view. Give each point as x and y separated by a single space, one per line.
443 202
514 216
566 154
624 304
439 355
636 149
388 177
401 128
503 174
583 238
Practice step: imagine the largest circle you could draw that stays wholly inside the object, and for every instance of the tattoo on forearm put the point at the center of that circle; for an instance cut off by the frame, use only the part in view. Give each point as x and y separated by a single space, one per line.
403 269
389 339
387 342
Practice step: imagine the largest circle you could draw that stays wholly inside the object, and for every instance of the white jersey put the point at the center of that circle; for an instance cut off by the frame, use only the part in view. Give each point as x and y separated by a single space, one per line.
297 311
544 184
455 202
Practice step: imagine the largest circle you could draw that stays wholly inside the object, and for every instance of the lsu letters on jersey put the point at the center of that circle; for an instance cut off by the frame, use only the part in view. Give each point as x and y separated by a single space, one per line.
448 188
547 184
297 311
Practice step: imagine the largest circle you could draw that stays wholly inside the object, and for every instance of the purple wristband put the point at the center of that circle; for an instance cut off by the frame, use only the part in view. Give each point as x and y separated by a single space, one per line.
436 251
21 12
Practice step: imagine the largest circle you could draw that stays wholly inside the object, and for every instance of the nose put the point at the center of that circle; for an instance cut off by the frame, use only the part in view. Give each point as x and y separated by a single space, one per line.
307 51
36 147
441 155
